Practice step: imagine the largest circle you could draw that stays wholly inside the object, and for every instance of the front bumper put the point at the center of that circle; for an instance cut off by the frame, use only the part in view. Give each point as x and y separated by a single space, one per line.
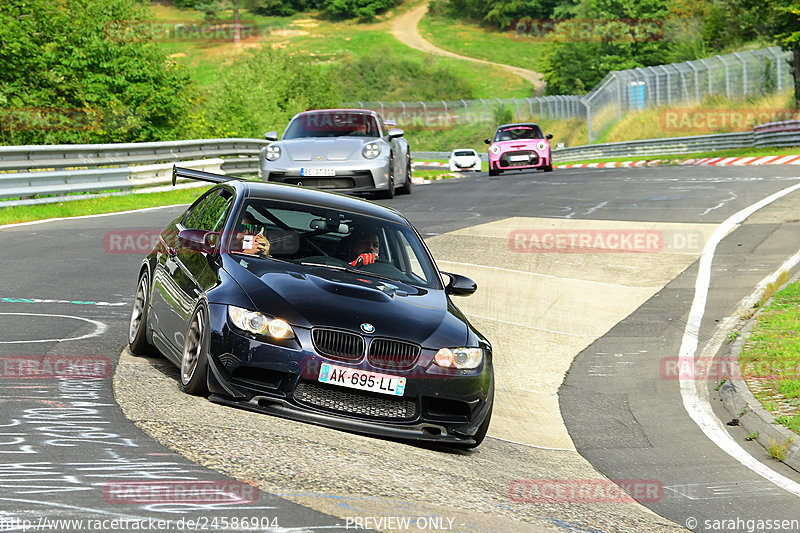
438 406
366 176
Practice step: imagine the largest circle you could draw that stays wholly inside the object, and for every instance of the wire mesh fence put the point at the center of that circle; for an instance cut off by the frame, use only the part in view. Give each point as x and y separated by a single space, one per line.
738 75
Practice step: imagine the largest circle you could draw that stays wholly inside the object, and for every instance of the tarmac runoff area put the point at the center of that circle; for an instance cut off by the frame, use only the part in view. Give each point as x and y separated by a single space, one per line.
541 299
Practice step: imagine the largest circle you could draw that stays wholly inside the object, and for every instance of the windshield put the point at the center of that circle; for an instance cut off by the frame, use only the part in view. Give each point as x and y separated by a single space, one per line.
463 153
328 238
332 124
515 133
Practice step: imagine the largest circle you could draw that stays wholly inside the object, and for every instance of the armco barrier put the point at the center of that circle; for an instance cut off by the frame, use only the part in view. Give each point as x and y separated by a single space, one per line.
96 167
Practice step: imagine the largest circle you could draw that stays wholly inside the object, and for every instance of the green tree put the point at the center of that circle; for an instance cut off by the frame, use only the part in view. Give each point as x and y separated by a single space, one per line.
601 36
86 71
785 29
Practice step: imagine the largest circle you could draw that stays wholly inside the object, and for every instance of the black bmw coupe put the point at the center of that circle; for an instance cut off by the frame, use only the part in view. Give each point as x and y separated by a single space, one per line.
316 307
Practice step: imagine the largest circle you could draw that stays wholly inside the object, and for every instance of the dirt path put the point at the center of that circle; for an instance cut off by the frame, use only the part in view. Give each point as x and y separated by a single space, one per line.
404 28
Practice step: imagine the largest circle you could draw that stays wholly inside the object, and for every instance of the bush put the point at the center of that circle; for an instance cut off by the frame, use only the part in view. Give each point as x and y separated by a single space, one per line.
382 75
77 71
261 92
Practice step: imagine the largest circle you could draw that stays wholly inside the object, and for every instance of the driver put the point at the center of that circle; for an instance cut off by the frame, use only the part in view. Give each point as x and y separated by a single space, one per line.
364 246
253 240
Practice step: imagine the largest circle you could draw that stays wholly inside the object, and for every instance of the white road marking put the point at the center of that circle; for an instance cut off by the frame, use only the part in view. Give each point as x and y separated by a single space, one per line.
694 402
99 328
531 445
533 327
537 274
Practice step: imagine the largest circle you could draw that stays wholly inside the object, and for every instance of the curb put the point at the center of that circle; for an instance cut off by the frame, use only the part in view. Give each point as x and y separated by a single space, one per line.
742 405
705 161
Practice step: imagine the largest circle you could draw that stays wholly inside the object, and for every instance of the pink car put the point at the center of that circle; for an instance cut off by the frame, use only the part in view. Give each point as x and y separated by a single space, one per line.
518 147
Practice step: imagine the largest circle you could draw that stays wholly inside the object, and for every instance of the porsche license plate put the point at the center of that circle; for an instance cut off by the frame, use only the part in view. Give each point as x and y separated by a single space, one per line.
518 158
354 378
317 171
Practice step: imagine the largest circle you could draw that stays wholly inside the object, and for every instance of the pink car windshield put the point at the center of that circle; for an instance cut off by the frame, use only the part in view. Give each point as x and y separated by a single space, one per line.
517 133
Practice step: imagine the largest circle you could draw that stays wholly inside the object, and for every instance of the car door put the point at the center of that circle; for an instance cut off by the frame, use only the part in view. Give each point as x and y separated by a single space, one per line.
182 272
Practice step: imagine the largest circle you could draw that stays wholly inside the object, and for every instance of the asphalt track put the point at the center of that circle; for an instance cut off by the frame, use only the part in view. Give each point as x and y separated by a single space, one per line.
66 292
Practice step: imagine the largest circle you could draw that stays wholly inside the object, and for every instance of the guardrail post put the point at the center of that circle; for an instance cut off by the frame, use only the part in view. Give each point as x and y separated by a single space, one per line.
424 112
727 77
778 59
588 121
466 111
619 94
710 81
484 109
405 118
696 81
744 71
381 104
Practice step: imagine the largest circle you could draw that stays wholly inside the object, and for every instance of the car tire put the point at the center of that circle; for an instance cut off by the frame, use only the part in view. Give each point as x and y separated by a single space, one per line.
493 171
137 329
548 168
406 188
194 361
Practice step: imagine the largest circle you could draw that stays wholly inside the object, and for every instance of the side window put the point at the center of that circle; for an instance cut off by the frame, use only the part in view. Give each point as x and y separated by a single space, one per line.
191 218
211 214
413 262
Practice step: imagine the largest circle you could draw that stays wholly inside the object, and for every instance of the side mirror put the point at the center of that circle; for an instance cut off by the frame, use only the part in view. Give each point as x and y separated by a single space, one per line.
487 140
271 136
199 240
459 285
395 133
548 136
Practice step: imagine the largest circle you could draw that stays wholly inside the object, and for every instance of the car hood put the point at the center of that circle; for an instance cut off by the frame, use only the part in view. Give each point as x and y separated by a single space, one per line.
307 296
326 149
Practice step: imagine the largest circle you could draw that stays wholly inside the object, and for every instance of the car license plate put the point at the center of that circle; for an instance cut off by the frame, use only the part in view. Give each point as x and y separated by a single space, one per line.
316 171
362 379
518 158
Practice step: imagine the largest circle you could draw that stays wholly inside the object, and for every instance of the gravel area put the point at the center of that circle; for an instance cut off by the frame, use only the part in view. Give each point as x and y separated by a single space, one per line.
348 475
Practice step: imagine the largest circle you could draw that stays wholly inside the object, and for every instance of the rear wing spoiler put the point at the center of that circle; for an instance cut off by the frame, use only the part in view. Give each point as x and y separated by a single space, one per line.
188 173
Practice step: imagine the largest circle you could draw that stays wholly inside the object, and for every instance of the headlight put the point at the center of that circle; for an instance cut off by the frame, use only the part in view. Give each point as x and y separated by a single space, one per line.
541 146
459 357
260 324
371 151
273 152
494 149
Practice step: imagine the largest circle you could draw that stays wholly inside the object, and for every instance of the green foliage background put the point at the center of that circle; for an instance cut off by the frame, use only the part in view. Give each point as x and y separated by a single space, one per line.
66 62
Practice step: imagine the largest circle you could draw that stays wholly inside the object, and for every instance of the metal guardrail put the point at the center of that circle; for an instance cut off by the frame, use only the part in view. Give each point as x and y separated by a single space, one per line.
27 171
97 167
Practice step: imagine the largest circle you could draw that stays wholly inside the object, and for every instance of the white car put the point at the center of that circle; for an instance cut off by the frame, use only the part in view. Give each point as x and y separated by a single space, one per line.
465 159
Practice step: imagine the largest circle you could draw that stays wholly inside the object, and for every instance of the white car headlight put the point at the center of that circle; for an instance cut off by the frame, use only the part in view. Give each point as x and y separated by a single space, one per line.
273 152
463 358
494 149
371 150
260 324
541 146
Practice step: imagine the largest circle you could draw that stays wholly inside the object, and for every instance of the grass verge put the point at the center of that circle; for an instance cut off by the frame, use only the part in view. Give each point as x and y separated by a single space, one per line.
105 204
472 40
770 360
